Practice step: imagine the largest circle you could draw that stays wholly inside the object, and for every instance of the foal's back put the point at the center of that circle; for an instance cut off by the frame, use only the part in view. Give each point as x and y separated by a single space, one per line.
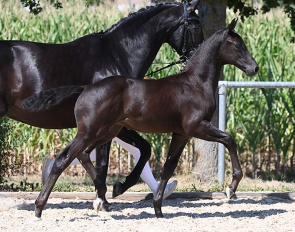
147 105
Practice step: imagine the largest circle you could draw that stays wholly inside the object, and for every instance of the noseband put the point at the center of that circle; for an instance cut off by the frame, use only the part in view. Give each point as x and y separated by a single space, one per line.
186 30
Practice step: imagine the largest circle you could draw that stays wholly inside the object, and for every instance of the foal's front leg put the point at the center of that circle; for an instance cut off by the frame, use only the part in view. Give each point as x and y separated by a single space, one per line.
209 132
177 145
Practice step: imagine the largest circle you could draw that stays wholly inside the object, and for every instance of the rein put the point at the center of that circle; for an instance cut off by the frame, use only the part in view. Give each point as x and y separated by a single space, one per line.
169 65
183 58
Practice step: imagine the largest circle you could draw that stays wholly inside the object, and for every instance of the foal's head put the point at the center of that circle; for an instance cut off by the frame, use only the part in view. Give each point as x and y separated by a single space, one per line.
234 51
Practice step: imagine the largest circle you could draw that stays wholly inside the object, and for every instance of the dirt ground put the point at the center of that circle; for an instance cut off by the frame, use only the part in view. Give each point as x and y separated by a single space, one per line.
269 214
242 214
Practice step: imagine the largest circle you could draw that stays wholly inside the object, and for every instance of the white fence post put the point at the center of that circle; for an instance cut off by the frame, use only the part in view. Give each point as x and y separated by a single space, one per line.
221 126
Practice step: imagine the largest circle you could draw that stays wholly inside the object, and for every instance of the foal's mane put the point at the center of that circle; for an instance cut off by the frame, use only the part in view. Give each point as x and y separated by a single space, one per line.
202 47
141 12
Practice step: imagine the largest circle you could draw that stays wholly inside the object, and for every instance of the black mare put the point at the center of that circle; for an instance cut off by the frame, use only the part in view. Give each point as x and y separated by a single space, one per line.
183 104
127 48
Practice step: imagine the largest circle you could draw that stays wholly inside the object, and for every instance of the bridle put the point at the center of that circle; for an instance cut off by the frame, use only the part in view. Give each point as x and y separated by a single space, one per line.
186 31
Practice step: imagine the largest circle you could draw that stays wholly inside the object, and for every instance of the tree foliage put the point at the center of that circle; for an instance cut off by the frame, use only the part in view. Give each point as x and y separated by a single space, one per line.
246 8
35 7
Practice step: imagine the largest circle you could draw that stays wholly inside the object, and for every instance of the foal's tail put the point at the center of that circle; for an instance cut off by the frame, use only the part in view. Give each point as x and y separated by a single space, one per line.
49 98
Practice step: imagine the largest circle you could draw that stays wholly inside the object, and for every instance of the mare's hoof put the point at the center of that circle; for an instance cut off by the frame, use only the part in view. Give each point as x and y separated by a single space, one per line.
107 207
117 189
229 192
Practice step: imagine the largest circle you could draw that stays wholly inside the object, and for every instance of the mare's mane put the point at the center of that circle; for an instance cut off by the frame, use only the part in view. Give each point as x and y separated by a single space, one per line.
139 13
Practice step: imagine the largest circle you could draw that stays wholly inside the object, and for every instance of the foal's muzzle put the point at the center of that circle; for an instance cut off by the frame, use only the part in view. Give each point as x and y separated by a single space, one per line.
252 70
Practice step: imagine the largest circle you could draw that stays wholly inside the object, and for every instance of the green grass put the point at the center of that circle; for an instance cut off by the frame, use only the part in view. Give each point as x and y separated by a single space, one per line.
84 184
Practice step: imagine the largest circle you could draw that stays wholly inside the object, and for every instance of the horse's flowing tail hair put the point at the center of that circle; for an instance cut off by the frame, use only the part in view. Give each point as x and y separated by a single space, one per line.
49 98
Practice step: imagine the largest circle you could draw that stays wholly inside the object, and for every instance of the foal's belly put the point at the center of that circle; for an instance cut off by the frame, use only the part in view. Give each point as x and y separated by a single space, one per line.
155 126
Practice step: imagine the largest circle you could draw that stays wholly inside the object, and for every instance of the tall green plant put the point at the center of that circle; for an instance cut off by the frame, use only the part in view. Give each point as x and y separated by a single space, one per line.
7 144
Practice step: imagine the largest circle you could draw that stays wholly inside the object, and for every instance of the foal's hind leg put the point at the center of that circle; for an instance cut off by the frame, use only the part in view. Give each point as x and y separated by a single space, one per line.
132 137
102 163
208 132
102 159
99 182
177 145
61 162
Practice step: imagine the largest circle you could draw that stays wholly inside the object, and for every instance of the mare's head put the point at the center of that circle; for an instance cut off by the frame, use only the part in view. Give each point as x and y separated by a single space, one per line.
187 34
234 51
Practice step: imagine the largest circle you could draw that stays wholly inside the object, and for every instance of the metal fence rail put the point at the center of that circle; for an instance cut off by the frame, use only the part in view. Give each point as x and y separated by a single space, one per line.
223 85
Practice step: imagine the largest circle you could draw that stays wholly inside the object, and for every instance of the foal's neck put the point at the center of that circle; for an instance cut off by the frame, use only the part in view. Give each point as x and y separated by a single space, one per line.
205 65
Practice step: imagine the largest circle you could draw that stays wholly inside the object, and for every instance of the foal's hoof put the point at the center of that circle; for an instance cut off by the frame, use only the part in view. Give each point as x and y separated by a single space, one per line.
97 205
36 219
100 205
159 213
117 189
229 192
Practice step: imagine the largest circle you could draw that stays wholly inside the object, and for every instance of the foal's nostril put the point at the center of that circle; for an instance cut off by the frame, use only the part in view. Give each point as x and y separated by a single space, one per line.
256 69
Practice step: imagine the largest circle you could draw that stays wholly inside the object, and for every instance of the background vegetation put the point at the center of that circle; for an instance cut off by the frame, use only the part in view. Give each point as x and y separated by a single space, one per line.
261 120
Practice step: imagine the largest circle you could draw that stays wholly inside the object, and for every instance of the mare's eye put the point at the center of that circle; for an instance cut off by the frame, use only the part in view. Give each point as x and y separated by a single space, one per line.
198 29
195 27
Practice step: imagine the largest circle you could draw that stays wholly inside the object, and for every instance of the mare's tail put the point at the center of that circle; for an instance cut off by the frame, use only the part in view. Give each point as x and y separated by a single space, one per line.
49 98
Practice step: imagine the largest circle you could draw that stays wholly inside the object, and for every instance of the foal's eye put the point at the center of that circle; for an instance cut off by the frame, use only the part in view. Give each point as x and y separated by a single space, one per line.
234 43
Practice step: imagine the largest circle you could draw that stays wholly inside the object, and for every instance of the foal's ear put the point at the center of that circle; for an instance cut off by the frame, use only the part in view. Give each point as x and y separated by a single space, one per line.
193 5
232 24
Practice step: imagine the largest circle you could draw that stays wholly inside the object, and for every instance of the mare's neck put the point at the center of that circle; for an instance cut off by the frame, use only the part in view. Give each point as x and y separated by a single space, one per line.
140 37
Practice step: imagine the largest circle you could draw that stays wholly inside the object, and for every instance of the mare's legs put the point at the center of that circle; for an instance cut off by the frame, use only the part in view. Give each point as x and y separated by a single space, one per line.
208 132
177 145
132 137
